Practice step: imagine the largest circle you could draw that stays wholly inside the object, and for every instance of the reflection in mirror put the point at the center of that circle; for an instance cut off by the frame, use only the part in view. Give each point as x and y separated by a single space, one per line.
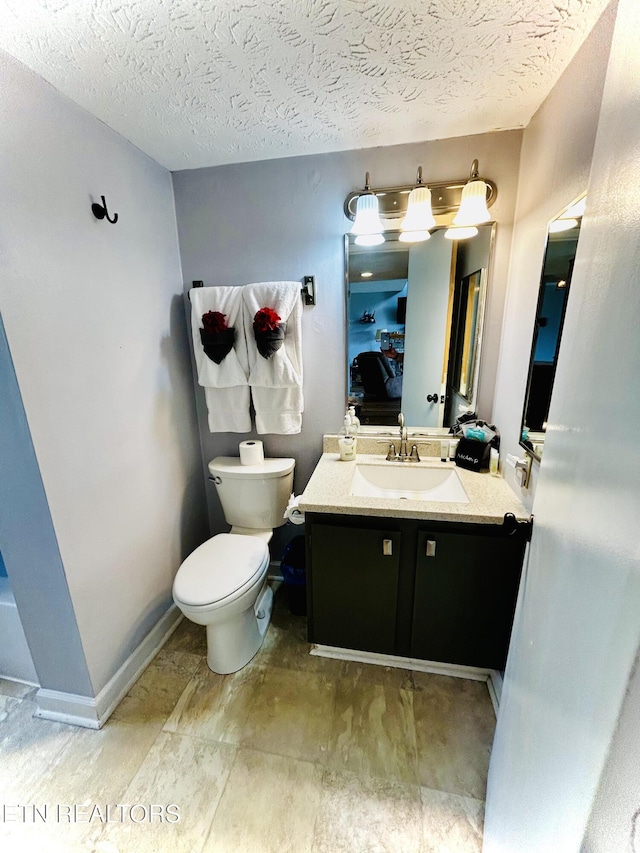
415 317
465 334
555 283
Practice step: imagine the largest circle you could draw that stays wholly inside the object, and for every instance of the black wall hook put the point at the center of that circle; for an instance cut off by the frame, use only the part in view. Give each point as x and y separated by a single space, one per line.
100 211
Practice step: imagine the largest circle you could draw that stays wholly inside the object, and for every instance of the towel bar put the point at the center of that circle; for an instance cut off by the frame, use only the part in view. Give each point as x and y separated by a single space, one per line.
308 289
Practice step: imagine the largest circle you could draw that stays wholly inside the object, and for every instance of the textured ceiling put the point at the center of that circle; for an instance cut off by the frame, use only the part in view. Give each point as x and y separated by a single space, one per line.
203 82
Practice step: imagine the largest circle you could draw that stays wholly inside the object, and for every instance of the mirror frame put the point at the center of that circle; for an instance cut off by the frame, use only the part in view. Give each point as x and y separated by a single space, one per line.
460 331
486 274
534 445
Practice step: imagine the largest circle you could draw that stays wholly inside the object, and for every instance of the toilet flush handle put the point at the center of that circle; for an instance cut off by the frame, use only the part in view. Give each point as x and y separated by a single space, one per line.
217 480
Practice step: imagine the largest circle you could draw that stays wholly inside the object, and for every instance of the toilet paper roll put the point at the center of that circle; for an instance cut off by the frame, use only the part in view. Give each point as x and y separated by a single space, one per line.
293 513
251 452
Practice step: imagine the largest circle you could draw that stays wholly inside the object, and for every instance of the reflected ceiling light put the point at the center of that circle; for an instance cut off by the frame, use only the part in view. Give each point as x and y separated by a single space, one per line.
569 219
461 233
559 225
419 218
473 204
367 227
366 274
576 210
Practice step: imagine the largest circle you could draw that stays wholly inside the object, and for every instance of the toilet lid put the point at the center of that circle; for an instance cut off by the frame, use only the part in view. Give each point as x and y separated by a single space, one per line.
220 567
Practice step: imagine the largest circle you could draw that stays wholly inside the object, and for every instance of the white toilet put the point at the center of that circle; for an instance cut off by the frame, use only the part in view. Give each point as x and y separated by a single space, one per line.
223 583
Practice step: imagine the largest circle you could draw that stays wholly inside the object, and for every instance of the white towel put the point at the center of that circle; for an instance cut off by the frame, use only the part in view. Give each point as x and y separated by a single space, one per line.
276 382
226 385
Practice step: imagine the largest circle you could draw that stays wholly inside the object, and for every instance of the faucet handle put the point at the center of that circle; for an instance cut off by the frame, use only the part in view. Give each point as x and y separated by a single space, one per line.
415 456
391 453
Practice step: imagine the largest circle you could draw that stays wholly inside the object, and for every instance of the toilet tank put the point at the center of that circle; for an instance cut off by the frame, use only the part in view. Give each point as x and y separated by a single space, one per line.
253 496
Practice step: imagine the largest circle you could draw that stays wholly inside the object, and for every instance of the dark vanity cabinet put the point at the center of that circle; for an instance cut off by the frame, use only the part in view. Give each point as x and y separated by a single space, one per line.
438 591
465 592
355 586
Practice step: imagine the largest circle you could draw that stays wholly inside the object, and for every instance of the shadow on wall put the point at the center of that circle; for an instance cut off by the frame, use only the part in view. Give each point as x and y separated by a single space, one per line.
178 406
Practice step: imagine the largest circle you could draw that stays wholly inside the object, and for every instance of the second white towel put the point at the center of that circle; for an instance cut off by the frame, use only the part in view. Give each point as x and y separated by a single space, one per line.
276 380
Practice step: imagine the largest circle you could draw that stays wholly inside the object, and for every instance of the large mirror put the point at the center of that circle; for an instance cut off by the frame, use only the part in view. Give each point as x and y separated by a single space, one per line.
415 320
555 284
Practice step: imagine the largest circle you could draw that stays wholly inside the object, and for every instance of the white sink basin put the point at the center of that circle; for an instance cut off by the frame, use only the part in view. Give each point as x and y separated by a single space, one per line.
406 481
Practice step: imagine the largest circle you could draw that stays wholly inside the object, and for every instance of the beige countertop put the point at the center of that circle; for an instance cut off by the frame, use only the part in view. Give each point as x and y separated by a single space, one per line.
329 491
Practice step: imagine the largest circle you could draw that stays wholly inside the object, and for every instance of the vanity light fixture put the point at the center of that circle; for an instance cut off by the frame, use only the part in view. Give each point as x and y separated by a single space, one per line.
419 219
460 233
473 208
367 226
417 207
473 205
413 236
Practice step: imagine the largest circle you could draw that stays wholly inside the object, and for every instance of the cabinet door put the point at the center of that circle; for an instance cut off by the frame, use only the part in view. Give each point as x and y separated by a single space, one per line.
464 598
354 587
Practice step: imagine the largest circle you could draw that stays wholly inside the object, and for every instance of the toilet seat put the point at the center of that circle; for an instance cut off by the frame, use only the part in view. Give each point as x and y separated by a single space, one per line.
220 569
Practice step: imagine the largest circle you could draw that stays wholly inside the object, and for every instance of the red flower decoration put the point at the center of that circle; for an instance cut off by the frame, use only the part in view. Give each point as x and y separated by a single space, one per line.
214 322
266 320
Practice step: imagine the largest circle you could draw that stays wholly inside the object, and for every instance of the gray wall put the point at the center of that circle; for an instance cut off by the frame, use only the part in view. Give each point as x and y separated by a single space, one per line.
554 170
283 219
30 548
95 322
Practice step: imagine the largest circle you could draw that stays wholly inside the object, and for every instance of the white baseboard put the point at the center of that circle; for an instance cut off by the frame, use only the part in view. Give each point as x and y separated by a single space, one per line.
492 677
495 689
67 708
93 712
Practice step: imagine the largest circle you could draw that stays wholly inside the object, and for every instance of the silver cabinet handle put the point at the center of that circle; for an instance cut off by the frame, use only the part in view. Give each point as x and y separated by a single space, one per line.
431 547
387 547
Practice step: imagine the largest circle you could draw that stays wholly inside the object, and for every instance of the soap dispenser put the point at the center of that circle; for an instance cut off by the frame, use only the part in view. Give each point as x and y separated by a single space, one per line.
355 420
346 441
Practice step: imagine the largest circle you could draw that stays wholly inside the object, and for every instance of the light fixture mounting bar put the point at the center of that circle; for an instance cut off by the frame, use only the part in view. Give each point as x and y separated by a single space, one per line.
392 201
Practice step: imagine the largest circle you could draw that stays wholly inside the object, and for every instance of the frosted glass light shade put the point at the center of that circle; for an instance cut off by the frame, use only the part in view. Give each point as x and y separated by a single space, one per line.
461 233
419 215
369 240
367 216
473 205
414 236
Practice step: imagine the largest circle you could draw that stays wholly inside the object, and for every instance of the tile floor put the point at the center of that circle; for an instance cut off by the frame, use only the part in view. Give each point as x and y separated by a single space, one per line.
294 753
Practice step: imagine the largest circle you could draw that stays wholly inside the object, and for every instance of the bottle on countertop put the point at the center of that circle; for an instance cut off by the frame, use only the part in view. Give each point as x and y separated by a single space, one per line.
348 425
346 440
494 458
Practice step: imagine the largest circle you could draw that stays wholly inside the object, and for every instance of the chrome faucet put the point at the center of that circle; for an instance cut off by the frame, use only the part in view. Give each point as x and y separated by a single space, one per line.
403 455
403 438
